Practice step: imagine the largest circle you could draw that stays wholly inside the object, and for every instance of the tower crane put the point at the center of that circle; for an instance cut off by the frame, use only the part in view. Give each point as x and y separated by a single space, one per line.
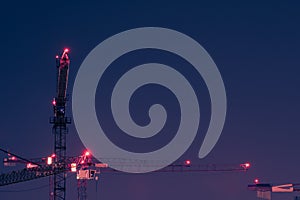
57 165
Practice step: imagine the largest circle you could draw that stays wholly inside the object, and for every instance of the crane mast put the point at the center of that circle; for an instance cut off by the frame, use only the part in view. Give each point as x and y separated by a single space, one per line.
59 129
62 64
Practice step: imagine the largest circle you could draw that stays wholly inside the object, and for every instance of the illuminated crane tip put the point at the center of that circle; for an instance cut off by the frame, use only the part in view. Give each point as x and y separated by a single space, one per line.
87 153
187 162
246 166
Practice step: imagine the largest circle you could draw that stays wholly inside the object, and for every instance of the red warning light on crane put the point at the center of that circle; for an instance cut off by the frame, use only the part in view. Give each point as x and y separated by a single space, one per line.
87 153
54 102
30 165
66 50
246 166
187 162
256 181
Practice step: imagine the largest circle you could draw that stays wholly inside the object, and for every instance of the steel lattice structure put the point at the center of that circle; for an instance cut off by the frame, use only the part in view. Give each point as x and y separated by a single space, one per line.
60 128
86 167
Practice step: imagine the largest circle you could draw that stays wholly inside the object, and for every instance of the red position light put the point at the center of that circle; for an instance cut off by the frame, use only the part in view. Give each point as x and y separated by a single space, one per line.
256 181
53 155
56 57
87 153
187 162
66 50
29 166
246 166
54 102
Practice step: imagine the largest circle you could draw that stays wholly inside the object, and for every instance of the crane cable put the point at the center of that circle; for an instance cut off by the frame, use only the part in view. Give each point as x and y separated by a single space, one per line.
21 158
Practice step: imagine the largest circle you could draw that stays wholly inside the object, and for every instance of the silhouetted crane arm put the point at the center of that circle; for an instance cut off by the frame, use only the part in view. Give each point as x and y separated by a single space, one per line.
189 167
26 174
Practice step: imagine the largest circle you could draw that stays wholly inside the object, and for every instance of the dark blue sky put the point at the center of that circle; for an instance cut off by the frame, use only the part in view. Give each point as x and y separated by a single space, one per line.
255 46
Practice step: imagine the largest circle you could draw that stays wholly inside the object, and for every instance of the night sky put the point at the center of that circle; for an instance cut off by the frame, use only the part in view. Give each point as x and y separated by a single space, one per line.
255 46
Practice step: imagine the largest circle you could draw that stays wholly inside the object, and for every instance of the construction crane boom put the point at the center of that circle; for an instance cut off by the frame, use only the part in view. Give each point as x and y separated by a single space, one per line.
187 166
27 174
85 163
40 168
